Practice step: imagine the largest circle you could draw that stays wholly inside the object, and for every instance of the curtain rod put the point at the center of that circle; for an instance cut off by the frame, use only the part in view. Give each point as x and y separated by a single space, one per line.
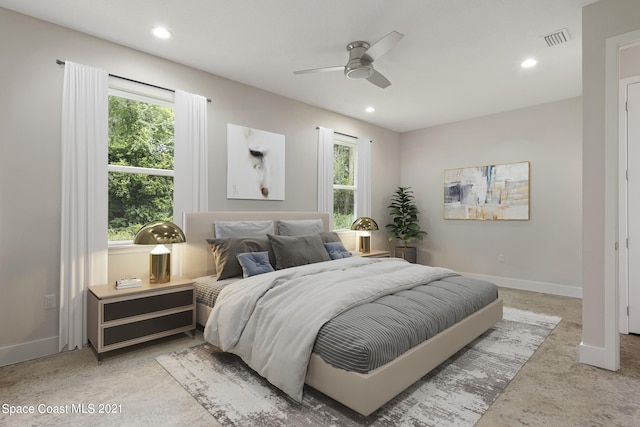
343 134
59 62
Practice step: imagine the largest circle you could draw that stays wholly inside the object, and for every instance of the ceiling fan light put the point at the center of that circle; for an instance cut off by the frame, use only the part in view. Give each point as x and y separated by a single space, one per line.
363 72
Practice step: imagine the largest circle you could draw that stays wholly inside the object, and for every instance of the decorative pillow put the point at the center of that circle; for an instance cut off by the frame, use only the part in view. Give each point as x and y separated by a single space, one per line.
291 251
243 228
225 250
330 236
336 250
254 263
298 227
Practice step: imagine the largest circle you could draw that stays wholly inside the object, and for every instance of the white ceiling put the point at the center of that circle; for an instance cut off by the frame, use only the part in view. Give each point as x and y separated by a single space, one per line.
459 58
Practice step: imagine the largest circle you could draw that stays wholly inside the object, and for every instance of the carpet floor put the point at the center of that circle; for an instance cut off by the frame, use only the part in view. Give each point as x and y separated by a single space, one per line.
456 393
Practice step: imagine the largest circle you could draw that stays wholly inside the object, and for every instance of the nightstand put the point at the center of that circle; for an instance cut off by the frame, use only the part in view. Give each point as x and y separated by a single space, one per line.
373 254
119 318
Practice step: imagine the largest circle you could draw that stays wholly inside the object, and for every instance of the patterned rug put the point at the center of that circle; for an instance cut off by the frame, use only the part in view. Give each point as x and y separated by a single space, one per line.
456 393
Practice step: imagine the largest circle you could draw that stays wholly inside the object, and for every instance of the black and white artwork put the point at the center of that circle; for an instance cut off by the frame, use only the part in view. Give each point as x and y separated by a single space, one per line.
255 164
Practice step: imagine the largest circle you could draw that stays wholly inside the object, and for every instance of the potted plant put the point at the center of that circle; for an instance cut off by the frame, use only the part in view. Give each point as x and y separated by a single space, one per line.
405 226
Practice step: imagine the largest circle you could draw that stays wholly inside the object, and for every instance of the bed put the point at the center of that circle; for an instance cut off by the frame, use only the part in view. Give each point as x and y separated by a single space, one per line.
363 392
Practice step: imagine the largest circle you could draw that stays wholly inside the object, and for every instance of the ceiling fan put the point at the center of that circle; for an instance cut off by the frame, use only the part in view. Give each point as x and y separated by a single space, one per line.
361 58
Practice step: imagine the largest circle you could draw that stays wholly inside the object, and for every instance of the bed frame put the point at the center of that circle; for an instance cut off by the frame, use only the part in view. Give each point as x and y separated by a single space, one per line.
364 393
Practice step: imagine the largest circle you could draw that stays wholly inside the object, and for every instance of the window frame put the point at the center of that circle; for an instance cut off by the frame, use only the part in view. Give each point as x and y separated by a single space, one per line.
352 143
150 95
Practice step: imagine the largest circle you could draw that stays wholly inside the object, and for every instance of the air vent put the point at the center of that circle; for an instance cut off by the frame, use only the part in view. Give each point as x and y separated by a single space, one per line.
557 37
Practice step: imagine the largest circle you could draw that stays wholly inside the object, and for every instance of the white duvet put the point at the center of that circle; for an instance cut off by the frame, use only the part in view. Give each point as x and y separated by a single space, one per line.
271 320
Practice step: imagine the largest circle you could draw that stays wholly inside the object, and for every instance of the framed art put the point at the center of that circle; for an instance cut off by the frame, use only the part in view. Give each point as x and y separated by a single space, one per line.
255 164
488 193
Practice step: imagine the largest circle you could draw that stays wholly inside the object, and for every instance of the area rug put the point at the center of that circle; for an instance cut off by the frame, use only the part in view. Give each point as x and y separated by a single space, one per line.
456 393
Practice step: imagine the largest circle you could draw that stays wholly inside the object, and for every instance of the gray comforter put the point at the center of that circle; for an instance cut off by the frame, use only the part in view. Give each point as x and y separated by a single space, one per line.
371 335
271 321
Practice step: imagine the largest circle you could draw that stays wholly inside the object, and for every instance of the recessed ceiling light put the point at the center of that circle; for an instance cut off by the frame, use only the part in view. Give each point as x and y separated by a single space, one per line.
161 33
370 109
528 63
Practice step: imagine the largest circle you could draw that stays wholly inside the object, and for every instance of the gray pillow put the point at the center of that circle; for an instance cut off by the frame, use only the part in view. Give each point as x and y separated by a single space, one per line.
243 228
297 227
291 251
330 236
336 250
225 250
254 263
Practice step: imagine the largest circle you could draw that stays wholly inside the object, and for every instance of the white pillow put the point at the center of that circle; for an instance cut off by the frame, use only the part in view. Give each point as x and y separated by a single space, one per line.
243 228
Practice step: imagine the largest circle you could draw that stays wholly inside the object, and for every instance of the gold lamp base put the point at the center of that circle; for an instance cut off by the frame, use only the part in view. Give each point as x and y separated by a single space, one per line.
365 244
159 268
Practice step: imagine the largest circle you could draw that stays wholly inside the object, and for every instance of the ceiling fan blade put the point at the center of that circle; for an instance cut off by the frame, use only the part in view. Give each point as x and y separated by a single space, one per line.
379 80
320 70
382 46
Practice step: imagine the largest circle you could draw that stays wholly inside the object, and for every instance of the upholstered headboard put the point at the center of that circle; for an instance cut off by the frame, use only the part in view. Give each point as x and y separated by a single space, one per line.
199 226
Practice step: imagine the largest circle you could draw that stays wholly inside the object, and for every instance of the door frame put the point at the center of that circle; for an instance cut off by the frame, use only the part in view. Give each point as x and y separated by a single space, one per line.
609 358
623 207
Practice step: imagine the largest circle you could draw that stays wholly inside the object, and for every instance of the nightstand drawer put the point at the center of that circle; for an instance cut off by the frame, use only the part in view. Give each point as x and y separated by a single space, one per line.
144 305
142 328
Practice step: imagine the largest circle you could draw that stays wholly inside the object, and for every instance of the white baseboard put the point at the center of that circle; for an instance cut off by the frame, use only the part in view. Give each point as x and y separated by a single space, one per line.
28 350
529 285
595 356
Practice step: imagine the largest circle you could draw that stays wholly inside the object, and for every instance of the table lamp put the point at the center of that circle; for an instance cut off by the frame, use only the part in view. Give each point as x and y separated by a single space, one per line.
159 233
364 225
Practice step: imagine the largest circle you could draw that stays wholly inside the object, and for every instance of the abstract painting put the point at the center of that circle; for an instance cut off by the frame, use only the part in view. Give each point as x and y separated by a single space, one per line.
255 164
494 192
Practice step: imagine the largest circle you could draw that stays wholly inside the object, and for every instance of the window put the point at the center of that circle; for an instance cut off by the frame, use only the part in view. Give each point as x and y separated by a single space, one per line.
345 181
344 177
140 169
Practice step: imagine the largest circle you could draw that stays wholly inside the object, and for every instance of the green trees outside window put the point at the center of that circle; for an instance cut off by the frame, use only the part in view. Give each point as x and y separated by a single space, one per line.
140 165
344 185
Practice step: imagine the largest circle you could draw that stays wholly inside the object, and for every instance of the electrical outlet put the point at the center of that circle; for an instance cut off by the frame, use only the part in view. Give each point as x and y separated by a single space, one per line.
50 301
501 258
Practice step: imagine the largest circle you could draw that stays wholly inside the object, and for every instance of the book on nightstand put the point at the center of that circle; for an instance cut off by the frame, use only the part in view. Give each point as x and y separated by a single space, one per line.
128 283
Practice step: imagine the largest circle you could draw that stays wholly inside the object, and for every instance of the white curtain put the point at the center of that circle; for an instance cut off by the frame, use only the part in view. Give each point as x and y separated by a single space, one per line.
325 172
190 158
83 249
364 178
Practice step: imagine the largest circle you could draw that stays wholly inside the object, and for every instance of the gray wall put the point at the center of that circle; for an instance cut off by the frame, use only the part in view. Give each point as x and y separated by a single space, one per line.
30 108
541 254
